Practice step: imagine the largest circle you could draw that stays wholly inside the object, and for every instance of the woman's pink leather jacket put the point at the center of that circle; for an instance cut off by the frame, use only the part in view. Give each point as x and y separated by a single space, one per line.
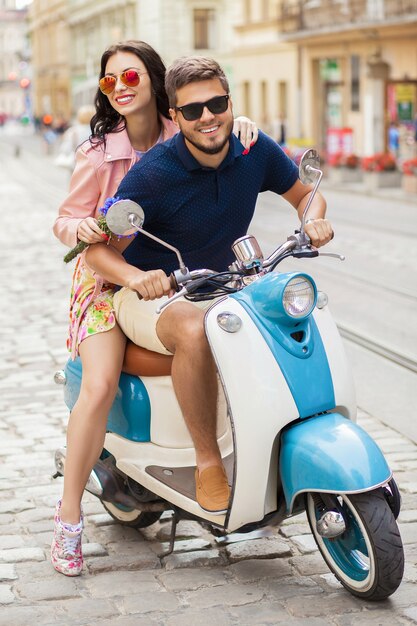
96 177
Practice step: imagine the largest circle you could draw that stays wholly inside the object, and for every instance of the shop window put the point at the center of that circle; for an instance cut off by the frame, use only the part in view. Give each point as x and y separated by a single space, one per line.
376 9
354 83
204 29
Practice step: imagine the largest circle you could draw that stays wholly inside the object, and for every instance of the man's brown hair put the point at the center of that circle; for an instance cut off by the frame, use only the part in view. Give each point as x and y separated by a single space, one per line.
186 70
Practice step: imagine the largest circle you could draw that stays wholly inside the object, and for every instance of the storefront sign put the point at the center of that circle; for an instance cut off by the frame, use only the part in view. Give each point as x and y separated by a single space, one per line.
402 101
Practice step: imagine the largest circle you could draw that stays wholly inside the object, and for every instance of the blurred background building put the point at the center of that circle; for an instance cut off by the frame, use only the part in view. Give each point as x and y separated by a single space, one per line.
330 73
93 25
14 66
49 36
356 68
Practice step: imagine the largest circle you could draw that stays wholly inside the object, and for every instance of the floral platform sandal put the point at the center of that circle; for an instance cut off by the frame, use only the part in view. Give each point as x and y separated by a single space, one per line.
66 549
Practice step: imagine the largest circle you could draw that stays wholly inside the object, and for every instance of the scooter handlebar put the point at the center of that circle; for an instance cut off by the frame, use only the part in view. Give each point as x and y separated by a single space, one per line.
173 282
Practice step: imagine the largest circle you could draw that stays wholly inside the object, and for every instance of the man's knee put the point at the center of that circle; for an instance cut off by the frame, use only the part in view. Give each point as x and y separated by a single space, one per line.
182 326
194 332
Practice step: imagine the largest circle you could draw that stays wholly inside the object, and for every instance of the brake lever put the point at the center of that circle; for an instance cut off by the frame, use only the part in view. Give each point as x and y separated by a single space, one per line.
341 257
179 293
186 289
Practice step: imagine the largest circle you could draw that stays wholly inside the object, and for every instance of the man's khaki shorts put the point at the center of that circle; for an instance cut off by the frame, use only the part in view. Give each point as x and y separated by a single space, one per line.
138 318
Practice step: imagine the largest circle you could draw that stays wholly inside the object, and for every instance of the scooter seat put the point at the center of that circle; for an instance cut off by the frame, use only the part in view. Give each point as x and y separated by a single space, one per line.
142 362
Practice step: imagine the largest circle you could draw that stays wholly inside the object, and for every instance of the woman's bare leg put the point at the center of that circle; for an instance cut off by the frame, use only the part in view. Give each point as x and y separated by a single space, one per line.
102 358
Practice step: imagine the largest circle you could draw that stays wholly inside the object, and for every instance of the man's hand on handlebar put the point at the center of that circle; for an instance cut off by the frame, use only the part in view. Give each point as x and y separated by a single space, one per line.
319 230
151 285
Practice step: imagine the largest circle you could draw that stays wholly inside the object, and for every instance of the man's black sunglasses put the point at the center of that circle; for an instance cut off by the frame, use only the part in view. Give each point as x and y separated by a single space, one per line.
194 110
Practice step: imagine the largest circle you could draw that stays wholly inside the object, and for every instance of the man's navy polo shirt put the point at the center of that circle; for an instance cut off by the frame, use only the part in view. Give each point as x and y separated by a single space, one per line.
196 209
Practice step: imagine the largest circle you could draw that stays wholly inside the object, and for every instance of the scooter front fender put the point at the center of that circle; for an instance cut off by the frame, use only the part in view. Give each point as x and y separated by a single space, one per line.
329 454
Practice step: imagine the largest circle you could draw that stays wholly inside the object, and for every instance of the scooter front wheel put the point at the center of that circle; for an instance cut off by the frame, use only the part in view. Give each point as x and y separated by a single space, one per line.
131 517
368 557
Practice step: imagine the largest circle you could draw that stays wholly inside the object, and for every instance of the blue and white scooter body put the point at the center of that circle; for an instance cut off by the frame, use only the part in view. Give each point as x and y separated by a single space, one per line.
286 419
291 402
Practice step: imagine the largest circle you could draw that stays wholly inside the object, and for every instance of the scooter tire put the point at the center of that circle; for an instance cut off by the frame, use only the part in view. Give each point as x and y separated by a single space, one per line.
368 558
131 517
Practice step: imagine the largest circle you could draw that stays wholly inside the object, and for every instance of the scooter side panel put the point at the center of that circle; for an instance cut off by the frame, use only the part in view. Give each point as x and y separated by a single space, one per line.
304 365
343 385
138 399
168 428
260 405
130 415
330 454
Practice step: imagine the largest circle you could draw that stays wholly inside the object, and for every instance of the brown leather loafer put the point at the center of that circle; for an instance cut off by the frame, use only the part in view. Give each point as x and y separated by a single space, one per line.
212 490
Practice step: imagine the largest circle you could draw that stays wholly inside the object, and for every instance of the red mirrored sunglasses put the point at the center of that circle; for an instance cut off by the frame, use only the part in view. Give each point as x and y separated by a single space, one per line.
130 78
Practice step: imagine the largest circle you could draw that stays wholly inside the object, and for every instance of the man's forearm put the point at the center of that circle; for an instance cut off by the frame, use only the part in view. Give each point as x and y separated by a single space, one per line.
317 208
110 264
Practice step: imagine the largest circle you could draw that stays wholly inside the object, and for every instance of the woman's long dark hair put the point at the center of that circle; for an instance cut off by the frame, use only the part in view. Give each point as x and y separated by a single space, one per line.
107 119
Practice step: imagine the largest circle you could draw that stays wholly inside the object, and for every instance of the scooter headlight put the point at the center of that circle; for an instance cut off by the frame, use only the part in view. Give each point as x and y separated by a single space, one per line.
282 298
299 297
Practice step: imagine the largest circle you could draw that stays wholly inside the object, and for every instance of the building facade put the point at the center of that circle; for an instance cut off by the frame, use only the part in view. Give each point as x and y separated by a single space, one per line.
15 82
266 71
49 33
173 29
93 26
84 28
188 27
330 73
337 72
358 61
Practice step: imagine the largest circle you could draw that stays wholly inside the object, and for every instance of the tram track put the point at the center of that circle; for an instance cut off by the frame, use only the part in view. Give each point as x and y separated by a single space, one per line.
373 346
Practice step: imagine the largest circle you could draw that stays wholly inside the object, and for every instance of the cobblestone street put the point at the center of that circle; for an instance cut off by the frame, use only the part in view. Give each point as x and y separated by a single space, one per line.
274 576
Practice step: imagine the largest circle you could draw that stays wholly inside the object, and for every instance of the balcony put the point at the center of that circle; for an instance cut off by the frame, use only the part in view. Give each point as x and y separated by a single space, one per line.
305 17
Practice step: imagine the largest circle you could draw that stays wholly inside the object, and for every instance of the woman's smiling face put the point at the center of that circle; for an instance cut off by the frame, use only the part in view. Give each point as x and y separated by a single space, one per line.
129 100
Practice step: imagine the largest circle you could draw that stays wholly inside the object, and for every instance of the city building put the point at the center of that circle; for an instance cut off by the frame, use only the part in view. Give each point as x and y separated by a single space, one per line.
266 71
173 28
93 26
15 81
188 27
358 58
84 28
337 72
49 33
331 73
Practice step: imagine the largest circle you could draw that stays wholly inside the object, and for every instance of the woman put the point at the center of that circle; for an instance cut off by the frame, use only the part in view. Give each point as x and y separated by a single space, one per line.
131 117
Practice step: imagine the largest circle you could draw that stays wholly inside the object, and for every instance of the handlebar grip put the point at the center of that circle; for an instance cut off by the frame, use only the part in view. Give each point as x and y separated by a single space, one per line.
172 281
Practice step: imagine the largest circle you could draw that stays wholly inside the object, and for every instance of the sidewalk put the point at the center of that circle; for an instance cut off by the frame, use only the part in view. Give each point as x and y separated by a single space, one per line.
396 194
274 576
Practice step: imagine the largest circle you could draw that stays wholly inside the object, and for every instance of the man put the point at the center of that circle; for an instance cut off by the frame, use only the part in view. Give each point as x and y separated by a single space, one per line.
198 191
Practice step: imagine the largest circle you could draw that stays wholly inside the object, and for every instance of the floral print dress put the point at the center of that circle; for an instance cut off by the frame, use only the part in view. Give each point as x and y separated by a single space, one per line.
91 306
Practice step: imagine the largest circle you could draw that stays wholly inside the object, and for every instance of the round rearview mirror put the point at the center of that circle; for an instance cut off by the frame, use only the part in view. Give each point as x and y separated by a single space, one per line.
309 167
125 217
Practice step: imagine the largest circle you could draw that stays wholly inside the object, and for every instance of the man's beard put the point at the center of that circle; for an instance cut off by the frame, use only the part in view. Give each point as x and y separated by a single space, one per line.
207 149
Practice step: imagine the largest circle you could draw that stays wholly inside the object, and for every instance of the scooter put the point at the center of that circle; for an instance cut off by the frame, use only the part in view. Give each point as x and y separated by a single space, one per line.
286 417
